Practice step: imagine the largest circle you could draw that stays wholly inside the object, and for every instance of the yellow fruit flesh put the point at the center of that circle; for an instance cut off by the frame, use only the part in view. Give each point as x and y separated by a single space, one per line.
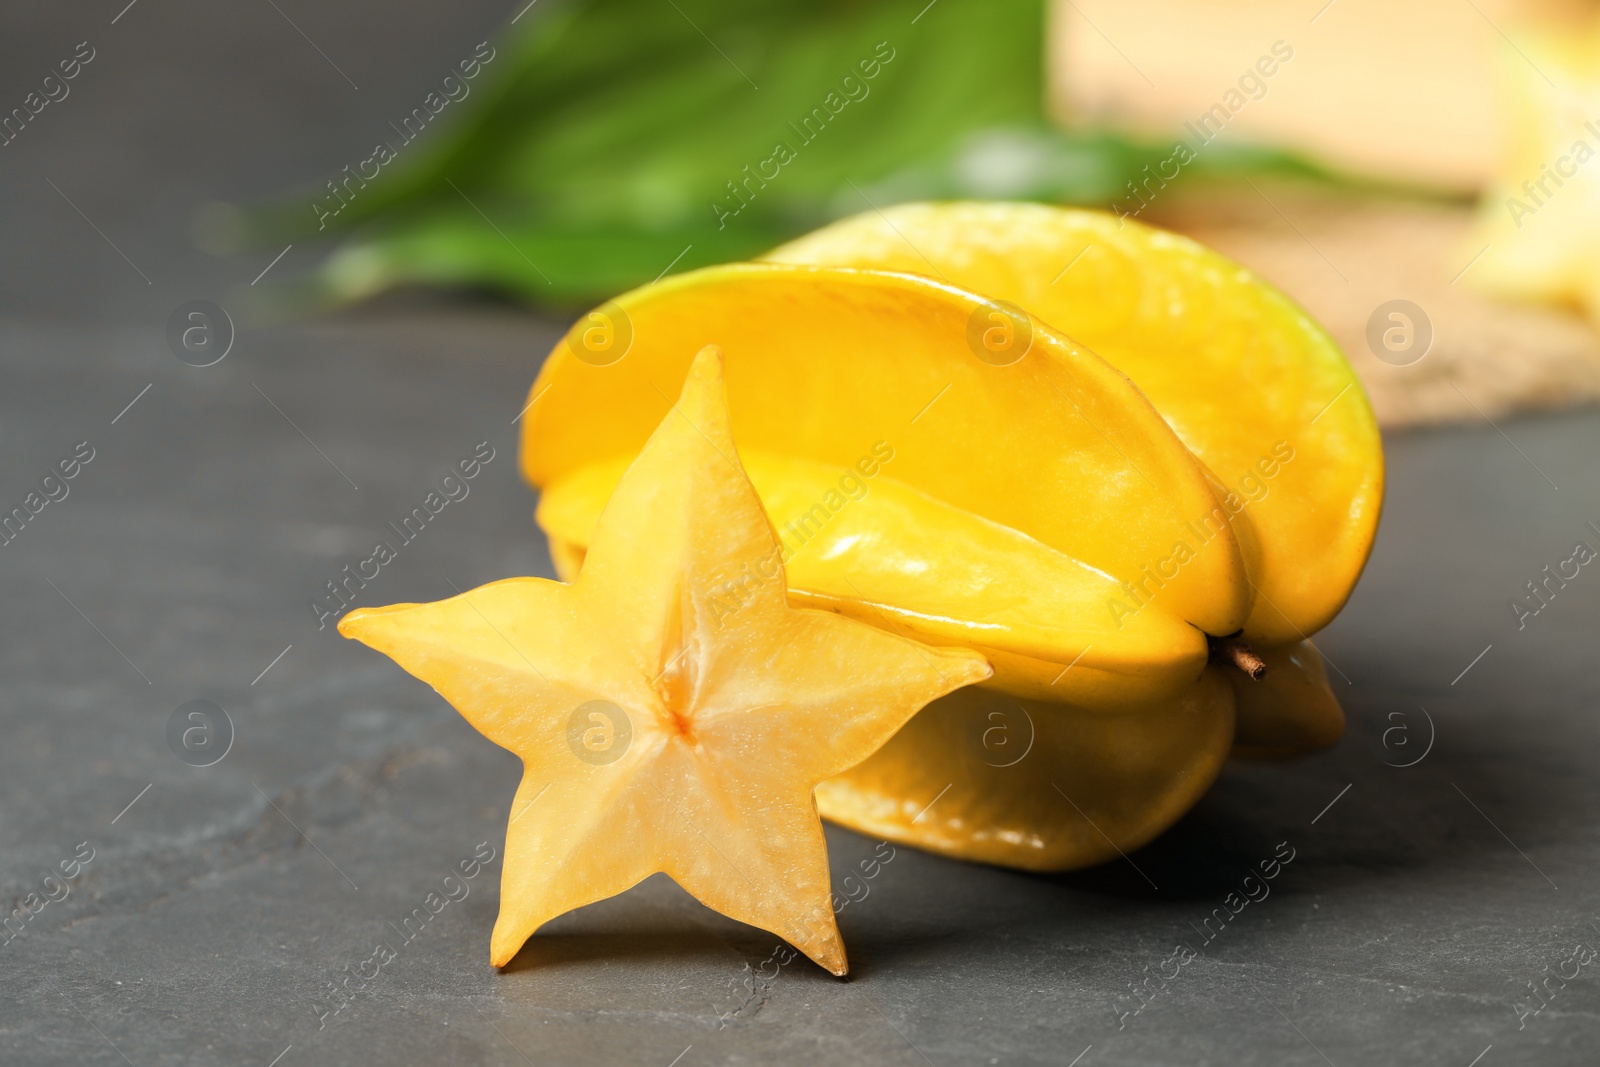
971 582
1239 371
1143 773
824 365
730 717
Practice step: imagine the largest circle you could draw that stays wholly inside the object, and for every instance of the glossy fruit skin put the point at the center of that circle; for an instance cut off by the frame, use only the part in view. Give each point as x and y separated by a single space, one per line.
1293 465
827 371
1247 380
1037 785
1254 387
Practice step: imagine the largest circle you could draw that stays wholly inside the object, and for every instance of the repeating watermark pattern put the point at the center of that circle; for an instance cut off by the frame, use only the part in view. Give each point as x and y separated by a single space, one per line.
454 90
754 983
56 887
1146 990
733 594
1001 742
52 90
1538 191
200 333
1399 332
1251 86
603 337
1238 899
1543 992
53 489
1254 486
999 333
869 869
343 591
743 189
1398 741
199 733
1155 180
599 732
1253 889
852 486
1543 589
338 993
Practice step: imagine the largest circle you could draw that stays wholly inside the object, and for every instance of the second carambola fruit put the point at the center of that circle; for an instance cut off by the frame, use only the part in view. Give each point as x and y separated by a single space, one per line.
1096 452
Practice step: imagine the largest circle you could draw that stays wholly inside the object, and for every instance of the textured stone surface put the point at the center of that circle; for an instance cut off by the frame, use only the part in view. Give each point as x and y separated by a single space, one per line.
218 906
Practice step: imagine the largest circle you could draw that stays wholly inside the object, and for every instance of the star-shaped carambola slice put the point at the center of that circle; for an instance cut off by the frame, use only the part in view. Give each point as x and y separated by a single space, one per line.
672 711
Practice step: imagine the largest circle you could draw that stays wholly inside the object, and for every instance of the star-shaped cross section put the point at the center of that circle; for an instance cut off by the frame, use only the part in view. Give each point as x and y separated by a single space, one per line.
672 711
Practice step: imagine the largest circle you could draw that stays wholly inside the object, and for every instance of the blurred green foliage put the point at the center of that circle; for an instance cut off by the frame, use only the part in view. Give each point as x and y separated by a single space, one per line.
610 139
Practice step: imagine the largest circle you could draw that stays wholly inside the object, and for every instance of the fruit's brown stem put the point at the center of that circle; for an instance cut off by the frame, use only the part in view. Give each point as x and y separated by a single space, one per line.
1232 650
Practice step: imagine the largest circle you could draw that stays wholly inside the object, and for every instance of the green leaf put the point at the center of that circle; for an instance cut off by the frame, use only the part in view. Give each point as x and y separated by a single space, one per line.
614 139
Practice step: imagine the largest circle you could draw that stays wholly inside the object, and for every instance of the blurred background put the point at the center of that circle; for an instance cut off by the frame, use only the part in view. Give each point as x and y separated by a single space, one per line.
1354 152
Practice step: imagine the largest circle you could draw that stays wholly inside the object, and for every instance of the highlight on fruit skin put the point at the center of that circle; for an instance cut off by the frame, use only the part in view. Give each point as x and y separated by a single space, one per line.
1173 459
1247 380
1024 548
1260 393
660 728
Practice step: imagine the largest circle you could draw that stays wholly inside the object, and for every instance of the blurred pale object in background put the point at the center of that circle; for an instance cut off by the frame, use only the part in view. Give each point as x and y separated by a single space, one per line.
1392 89
1460 96
1539 221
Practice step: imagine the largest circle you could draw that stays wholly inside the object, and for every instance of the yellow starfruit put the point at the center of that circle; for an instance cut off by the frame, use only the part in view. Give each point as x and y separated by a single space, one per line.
1014 504
656 733
932 404
1254 387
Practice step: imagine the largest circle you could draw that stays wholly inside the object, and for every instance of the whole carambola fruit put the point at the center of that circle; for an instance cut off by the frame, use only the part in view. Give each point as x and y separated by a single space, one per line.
935 405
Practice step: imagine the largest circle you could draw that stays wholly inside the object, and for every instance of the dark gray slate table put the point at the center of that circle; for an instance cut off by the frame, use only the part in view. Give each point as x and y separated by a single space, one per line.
220 902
